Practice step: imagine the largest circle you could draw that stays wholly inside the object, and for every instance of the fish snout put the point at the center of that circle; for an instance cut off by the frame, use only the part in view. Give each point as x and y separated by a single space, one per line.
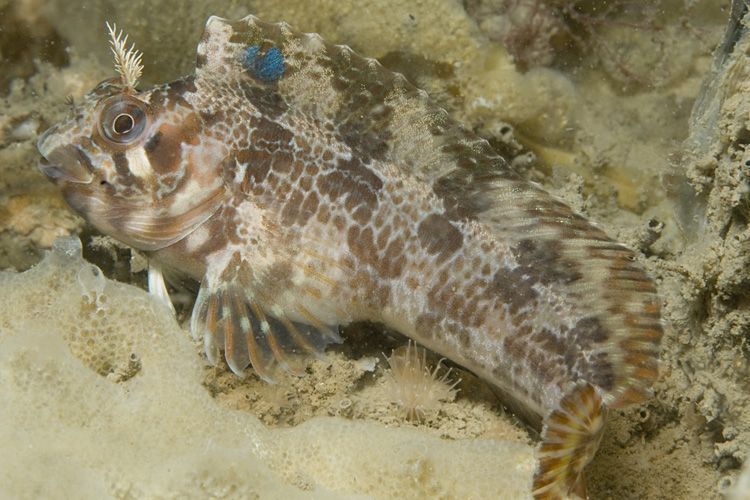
62 162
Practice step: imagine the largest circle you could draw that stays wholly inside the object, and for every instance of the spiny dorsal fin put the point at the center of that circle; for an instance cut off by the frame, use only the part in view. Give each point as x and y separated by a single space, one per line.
375 111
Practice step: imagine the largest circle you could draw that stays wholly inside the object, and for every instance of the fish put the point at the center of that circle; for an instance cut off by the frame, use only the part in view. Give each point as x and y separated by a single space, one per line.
306 187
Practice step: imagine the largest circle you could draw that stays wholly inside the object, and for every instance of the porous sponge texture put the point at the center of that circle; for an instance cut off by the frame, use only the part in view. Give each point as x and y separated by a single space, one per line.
101 397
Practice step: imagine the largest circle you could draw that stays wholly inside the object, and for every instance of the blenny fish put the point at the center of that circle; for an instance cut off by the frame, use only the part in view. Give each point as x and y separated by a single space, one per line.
306 187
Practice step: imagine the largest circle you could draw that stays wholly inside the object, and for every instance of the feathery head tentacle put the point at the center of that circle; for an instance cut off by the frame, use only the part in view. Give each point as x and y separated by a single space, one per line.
127 60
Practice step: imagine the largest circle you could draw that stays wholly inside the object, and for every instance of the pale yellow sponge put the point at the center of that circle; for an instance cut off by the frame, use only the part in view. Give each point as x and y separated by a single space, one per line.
101 397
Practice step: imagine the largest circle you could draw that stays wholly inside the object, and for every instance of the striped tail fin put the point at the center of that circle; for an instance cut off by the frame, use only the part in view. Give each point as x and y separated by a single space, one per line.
570 439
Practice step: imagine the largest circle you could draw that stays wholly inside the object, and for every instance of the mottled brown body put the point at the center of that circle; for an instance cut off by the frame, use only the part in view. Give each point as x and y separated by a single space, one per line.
306 188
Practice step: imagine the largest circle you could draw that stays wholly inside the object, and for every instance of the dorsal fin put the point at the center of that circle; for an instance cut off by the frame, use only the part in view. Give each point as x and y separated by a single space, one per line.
375 111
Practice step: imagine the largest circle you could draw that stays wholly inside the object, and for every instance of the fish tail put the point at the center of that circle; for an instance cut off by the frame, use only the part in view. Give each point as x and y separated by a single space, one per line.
570 438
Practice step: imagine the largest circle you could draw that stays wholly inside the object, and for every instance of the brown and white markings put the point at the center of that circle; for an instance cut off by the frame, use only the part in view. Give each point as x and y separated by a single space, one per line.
306 187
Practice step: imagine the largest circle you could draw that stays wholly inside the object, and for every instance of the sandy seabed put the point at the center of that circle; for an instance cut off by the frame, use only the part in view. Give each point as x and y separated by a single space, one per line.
600 109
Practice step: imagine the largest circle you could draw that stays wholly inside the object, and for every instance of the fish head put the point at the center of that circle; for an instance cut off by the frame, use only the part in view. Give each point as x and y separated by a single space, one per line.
81 153
137 165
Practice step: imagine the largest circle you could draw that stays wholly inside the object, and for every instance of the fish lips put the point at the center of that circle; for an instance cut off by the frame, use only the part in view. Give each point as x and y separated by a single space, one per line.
64 164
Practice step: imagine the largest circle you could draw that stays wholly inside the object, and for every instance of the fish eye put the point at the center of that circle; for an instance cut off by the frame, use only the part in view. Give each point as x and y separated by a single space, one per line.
123 123
123 119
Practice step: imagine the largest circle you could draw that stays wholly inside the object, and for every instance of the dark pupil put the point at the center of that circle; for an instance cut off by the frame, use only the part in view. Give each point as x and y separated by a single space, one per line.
123 124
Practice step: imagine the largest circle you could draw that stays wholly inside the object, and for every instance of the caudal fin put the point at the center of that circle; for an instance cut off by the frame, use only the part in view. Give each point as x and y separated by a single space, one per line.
570 439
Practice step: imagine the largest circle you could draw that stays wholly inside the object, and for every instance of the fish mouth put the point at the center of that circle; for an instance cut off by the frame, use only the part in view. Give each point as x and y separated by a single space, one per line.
64 164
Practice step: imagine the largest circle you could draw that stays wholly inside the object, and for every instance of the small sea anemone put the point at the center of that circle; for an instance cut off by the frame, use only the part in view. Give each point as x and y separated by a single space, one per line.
413 386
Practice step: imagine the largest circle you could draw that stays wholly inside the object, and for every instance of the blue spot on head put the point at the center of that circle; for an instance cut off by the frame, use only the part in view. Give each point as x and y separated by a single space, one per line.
267 66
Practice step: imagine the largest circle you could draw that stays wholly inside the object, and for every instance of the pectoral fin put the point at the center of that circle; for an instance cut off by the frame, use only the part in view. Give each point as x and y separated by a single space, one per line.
231 318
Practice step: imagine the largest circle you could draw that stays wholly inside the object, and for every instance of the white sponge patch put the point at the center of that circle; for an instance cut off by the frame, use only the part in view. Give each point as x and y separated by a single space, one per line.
101 397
